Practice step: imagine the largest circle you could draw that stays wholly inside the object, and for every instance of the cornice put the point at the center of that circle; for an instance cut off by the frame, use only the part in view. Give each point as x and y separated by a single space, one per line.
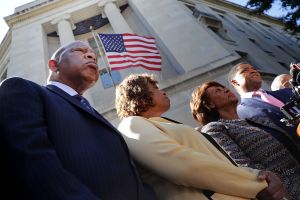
222 4
11 20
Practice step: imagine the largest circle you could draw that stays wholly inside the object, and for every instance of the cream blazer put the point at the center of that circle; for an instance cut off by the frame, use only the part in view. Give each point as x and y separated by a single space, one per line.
179 163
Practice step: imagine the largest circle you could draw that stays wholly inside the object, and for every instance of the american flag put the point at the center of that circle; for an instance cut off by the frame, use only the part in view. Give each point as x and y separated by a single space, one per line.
131 50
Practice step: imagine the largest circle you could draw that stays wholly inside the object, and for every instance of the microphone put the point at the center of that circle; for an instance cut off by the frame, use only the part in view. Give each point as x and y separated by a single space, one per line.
295 73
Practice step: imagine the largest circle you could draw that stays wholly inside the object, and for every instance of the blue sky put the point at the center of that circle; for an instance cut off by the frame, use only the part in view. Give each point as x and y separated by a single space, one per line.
7 8
275 11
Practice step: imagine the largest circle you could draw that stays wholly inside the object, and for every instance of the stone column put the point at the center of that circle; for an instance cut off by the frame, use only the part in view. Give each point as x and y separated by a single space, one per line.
112 12
64 28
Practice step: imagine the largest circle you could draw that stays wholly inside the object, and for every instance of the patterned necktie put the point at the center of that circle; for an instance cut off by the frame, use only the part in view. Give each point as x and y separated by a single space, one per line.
268 98
84 102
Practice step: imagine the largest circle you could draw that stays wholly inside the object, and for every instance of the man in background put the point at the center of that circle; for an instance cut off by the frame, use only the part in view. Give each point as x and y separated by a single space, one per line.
258 103
281 81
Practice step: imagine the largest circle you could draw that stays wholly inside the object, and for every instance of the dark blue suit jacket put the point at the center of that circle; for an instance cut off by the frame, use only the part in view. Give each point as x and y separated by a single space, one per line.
255 107
53 148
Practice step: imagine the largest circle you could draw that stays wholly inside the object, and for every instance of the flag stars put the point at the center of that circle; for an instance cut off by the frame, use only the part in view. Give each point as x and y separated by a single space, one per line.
113 42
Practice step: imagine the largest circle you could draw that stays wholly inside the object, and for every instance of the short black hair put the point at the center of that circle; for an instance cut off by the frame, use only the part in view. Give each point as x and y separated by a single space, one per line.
57 55
232 73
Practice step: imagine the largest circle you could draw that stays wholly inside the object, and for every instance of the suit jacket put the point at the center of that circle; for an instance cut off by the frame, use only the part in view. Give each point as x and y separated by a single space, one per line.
180 163
254 107
55 148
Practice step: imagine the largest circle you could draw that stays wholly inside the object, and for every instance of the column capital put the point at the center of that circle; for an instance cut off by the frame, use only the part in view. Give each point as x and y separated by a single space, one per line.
64 17
103 3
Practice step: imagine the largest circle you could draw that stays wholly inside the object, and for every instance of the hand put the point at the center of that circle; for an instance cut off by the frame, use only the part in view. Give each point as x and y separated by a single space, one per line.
275 189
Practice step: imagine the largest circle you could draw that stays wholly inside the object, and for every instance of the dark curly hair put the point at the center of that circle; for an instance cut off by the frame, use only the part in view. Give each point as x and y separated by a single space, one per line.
133 96
200 106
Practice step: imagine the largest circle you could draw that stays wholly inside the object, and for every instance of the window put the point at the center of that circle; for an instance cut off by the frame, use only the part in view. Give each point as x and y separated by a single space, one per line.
109 79
242 54
245 57
259 46
258 30
287 52
221 33
269 53
205 17
213 23
233 24
284 65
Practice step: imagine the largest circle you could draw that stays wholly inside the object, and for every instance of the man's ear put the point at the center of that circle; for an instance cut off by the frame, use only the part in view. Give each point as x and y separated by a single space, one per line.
53 65
234 82
199 116
211 106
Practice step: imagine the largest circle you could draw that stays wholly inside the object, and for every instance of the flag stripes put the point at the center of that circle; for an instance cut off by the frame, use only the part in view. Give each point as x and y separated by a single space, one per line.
130 50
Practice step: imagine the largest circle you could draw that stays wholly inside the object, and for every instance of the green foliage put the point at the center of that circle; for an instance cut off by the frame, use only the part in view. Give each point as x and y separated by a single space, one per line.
291 6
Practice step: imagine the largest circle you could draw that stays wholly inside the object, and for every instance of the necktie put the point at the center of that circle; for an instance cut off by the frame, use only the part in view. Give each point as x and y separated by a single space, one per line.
84 102
268 98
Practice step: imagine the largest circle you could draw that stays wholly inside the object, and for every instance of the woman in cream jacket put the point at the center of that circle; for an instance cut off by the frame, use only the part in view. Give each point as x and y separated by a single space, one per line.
175 159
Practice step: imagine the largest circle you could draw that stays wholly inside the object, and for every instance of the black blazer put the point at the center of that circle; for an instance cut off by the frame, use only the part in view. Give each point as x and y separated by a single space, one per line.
54 148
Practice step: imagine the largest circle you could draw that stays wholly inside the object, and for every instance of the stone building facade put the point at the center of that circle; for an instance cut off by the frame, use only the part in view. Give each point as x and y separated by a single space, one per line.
199 40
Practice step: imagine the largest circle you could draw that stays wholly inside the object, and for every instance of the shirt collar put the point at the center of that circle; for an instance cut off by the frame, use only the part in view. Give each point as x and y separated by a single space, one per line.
249 94
63 87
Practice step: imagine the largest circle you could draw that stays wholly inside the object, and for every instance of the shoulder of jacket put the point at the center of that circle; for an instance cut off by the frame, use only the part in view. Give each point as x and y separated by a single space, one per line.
212 126
18 81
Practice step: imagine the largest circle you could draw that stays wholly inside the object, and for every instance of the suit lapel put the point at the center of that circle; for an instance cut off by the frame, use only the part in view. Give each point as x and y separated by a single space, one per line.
283 95
257 102
262 121
76 103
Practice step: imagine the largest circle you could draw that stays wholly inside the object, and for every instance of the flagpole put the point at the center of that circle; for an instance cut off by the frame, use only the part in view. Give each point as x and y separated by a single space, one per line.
106 62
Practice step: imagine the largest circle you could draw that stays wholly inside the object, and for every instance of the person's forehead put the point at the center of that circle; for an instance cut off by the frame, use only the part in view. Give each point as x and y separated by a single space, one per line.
77 44
244 67
211 89
287 77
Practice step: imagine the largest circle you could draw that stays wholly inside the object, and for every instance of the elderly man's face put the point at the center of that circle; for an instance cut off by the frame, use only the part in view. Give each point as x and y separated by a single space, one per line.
78 65
285 82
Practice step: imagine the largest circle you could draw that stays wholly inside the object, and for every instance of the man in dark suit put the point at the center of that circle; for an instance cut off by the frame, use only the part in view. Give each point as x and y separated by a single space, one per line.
256 103
54 145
